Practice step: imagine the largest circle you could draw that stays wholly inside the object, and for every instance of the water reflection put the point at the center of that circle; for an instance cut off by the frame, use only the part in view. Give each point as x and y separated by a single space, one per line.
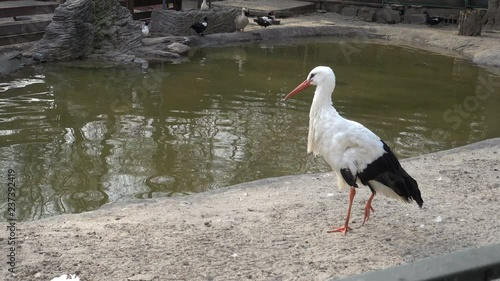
79 137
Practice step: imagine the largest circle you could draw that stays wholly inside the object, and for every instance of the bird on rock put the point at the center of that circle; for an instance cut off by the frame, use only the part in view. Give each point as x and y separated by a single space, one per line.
241 21
204 6
355 154
145 29
265 21
200 27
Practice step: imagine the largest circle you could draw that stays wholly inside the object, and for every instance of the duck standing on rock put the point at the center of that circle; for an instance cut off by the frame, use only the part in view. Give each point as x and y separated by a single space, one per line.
145 29
199 27
204 6
241 21
432 21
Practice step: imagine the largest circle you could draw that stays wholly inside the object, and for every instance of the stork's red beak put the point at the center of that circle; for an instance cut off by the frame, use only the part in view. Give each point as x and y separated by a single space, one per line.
304 85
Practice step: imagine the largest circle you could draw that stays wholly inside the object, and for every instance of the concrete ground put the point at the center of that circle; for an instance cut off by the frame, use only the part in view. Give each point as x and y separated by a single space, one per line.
273 229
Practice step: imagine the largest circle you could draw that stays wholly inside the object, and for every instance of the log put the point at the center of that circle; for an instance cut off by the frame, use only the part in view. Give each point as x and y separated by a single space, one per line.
470 22
177 23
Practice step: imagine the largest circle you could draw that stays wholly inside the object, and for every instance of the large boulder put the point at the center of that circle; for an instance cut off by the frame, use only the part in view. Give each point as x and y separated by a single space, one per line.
388 15
416 18
350 11
83 27
178 23
366 13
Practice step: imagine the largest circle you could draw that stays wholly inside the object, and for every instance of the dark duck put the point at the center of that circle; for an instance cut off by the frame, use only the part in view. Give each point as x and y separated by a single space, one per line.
266 21
200 27
432 21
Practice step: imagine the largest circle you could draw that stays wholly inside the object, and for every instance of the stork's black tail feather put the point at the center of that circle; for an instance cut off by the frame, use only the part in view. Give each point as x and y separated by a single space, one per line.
388 171
403 184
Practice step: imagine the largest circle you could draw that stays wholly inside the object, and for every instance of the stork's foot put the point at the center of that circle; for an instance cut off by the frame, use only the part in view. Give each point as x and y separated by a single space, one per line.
367 213
368 207
342 229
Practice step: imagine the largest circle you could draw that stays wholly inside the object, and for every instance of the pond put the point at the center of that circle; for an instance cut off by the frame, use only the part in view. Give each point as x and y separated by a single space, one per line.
80 136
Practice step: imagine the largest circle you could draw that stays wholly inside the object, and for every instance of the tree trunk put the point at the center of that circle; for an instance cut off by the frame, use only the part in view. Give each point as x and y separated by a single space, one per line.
492 17
470 22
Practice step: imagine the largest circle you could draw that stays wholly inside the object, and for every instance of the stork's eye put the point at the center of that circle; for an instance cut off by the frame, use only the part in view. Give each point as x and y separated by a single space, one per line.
312 75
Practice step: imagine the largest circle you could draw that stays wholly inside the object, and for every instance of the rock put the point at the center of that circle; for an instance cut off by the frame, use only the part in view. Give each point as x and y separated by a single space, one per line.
350 11
415 19
332 7
366 13
155 40
82 27
178 48
160 53
387 16
178 23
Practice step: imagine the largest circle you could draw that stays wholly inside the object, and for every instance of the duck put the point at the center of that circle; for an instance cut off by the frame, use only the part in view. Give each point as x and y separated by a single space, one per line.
265 21
199 27
204 6
145 29
432 21
241 21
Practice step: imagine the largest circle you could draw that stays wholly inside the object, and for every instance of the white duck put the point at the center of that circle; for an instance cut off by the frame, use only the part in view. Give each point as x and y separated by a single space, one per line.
241 21
355 154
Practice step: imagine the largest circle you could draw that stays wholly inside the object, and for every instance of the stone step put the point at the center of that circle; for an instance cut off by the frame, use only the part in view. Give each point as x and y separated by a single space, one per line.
281 8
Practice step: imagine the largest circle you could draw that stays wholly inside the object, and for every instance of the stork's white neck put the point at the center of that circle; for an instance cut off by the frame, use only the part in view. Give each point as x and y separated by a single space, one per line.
321 109
323 98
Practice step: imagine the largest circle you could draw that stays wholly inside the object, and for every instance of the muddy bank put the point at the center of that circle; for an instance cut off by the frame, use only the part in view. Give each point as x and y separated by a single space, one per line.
273 229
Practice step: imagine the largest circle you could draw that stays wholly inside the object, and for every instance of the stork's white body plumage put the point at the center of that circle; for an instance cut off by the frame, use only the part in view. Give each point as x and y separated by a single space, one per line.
355 154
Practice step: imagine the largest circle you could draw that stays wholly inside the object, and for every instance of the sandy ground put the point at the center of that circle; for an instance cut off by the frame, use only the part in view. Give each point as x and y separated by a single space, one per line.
273 229
276 229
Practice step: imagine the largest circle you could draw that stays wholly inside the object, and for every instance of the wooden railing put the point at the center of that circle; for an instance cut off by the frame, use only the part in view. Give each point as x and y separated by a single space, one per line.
141 9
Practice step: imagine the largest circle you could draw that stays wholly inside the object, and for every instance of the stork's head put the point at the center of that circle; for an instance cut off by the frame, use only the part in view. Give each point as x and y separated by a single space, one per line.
319 76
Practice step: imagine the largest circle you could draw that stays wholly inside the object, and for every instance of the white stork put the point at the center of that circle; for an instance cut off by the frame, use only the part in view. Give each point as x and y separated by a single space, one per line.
355 153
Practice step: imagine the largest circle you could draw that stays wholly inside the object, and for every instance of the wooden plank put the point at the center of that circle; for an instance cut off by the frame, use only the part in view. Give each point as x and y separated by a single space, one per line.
141 3
19 27
25 8
20 38
142 15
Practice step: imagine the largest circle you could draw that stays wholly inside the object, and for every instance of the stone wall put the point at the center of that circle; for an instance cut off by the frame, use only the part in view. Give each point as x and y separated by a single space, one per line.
390 13
178 23
83 27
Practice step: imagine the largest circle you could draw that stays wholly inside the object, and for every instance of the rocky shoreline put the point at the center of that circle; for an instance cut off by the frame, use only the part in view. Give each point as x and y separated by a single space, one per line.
482 50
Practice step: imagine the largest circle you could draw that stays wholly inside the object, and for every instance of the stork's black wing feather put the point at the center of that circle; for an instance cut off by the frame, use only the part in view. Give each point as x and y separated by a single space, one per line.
388 171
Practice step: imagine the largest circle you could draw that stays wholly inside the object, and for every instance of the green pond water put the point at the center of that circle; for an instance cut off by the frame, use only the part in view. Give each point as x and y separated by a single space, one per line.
78 136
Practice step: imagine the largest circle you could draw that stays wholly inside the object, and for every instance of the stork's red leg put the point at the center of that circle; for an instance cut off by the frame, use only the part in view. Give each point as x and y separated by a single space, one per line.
345 228
368 207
